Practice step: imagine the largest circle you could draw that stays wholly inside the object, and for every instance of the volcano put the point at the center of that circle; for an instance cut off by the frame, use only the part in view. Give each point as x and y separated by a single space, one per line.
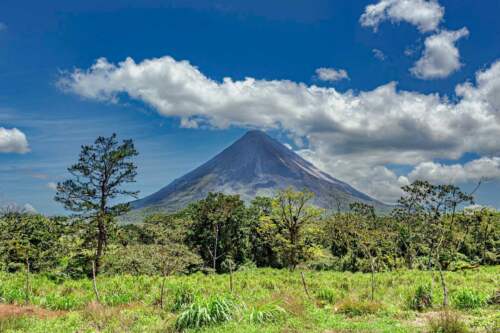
254 165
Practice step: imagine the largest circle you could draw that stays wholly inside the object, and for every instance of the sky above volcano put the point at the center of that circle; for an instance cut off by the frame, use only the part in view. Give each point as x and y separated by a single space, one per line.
377 93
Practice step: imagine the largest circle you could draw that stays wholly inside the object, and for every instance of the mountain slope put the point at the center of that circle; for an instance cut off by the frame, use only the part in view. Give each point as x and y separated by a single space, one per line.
256 164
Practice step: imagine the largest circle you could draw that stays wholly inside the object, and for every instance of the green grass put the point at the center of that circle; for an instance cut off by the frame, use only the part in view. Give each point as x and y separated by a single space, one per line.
263 300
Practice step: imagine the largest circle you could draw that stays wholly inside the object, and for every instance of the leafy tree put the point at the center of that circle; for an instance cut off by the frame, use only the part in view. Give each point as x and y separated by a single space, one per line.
30 240
97 181
220 229
263 253
437 206
367 234
287 226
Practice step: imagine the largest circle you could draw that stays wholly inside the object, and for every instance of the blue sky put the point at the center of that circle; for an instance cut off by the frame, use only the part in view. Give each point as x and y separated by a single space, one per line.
418 96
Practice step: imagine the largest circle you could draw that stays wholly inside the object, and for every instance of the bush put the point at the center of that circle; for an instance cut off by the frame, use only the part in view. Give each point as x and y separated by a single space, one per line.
353 308
421 299
214 311
327 295
447 322
466 299
183 297
267 313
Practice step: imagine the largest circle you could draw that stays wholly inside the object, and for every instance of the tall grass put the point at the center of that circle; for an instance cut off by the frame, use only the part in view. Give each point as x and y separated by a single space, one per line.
267 300
214 311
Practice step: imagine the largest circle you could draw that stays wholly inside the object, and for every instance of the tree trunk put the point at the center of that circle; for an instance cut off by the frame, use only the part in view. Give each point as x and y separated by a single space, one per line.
101 241
162 291
304 284
27 293
94 282
443 285
231 279
293 251
216 244
372 267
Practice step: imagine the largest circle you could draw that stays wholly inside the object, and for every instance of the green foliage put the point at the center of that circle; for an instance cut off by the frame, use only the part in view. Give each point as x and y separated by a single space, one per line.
352 307
30 238
466 299
219 230
447 322
183 296
214 311
421 298
97 181
288 228
150 260
130 303
327 295
267 313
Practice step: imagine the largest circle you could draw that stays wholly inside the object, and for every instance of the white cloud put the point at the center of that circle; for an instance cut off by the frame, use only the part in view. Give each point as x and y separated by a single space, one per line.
13 141
440 57
331 74
52 186
13 207
352 135
378 54
472 171
424 14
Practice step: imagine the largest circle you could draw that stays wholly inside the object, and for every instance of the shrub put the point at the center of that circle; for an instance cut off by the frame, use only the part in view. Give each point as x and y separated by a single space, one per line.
267 313
183 297
466 299
447 322
421 299
353 308
327 295
214 311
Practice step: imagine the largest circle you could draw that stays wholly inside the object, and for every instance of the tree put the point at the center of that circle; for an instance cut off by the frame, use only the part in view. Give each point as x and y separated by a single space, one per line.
437 208
31 241
287 226
367 235
97 181
263 254
220 229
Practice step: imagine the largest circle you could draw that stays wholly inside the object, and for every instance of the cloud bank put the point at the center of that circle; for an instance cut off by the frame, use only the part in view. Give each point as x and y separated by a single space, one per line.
352 135
13 141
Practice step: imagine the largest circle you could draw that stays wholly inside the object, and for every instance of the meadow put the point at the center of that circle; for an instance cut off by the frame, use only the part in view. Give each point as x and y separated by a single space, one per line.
261 300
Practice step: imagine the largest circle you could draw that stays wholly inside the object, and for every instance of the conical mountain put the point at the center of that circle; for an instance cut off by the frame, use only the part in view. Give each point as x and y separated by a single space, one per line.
256 164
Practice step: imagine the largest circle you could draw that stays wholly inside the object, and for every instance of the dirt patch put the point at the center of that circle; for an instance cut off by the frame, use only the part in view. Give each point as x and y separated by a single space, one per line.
12 310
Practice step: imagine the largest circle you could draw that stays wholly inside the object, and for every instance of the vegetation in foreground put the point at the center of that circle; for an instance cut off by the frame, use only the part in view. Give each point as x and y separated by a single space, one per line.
161 274
262 300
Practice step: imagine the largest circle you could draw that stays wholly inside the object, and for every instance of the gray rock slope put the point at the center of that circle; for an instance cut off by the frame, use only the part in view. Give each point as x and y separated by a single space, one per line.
256 164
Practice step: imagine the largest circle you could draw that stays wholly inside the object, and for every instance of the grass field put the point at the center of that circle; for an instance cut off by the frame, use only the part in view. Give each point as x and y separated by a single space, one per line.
263 300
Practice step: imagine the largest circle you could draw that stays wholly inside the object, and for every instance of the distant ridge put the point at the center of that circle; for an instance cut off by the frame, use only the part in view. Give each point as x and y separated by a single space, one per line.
255 164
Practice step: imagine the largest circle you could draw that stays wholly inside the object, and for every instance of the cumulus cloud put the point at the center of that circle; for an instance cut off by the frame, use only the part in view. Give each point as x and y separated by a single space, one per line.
440 57
424 14
331 74
352 135
13 141
475 170
52 186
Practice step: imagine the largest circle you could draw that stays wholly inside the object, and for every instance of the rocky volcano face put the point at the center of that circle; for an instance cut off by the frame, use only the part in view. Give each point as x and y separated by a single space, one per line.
256 164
